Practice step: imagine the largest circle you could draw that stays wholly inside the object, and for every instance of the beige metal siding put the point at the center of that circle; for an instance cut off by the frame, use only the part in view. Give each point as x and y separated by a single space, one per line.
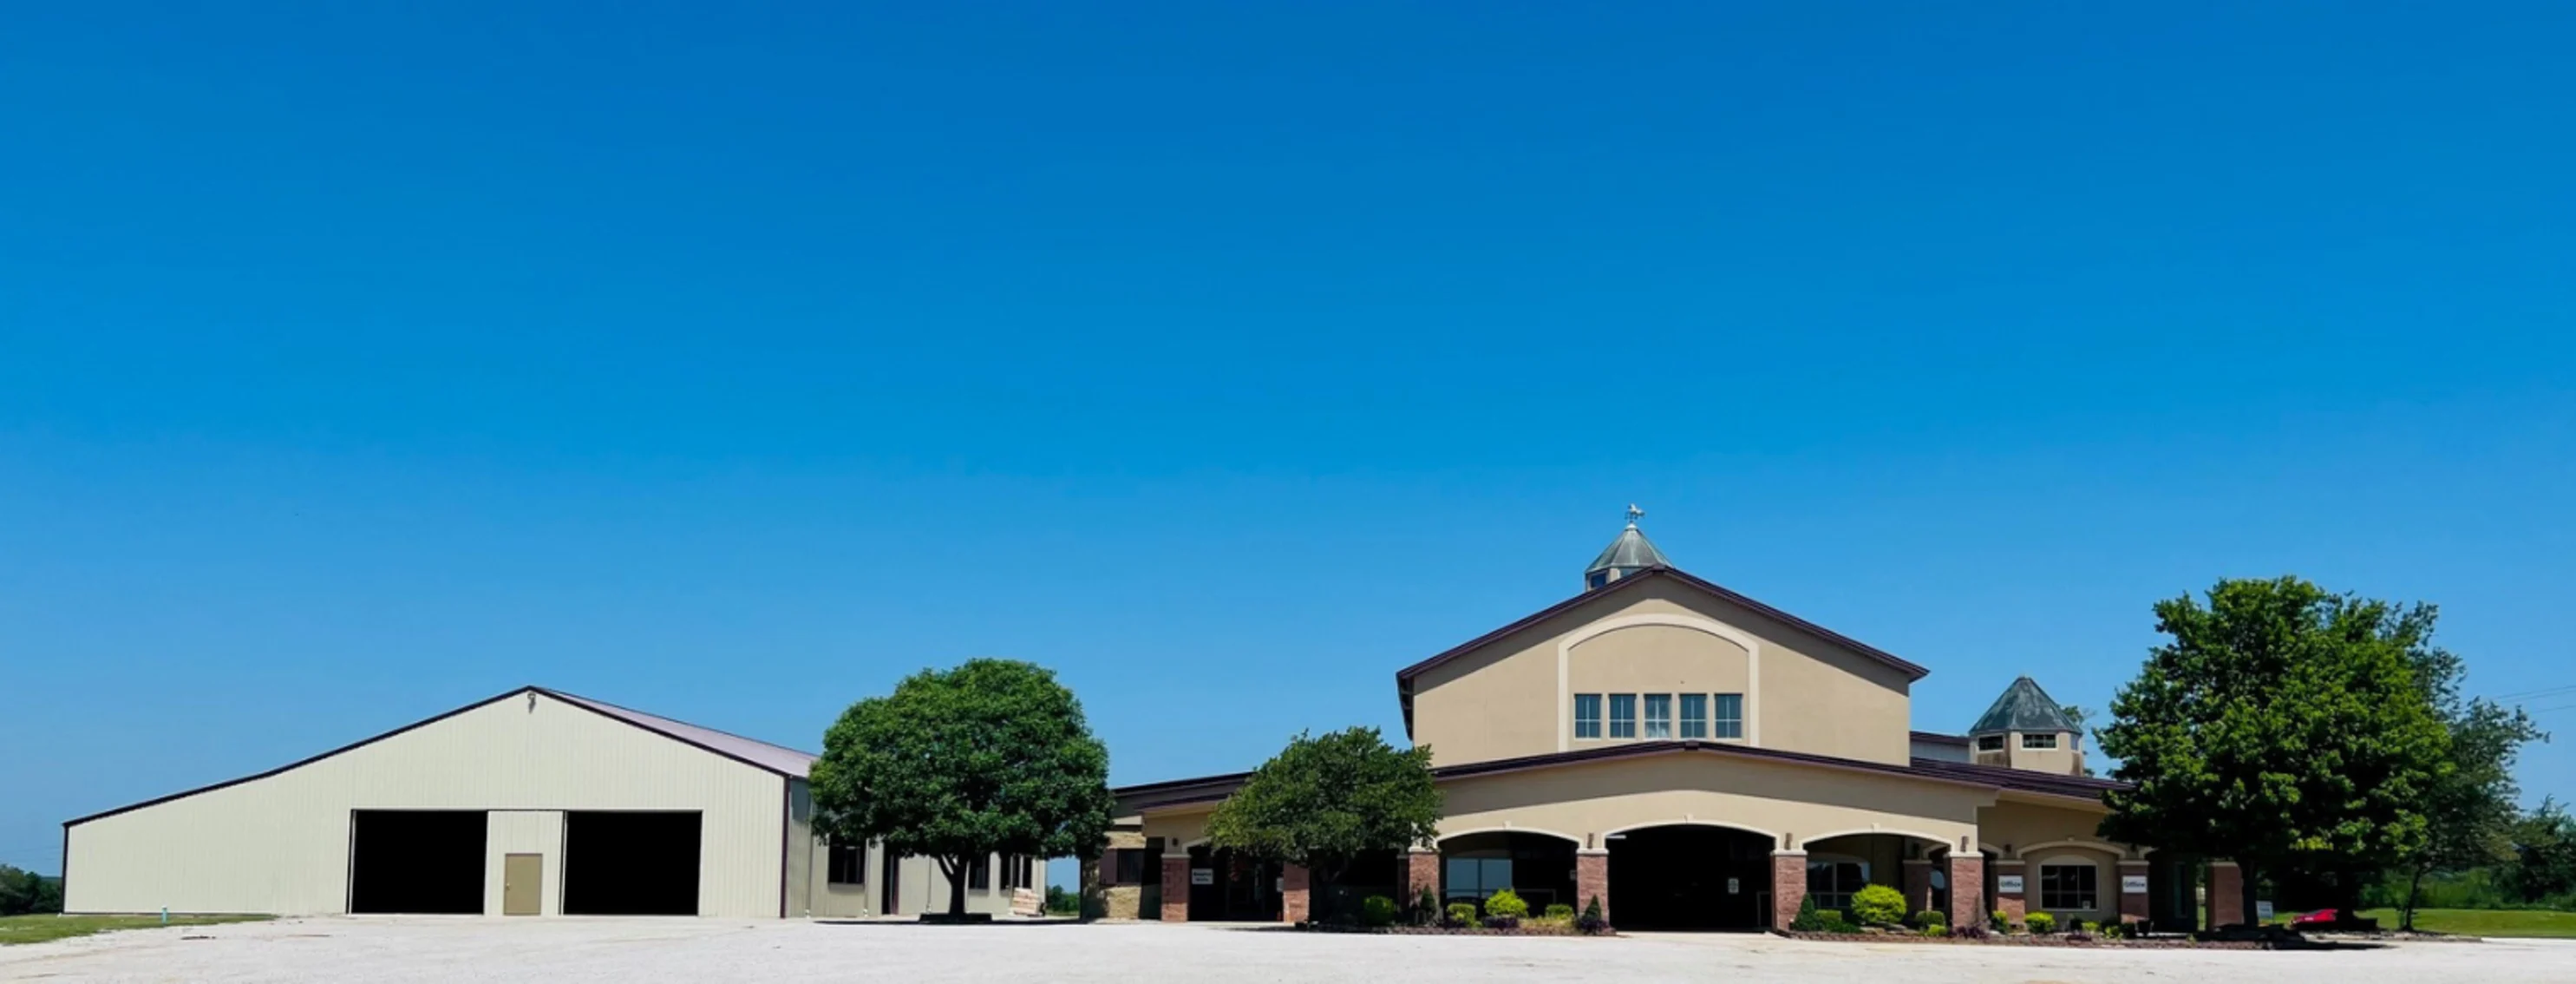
280 844
538 832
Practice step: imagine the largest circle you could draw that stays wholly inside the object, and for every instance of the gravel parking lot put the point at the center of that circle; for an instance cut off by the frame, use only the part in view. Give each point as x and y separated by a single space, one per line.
565 951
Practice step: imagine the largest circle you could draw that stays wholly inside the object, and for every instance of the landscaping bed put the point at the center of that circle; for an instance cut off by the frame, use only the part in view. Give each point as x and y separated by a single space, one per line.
2037 939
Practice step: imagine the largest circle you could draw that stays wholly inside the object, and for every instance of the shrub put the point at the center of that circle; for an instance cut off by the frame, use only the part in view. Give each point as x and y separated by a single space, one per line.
1878 905
1560 912
1591 922
1502 922
1929 918
1377 910
1506 903
2087 926
1808 919
1426 907
1834 921
2002 919
2040 922
1462 914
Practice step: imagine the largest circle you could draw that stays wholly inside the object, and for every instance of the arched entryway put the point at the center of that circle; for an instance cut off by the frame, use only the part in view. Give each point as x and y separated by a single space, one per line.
1537 867
1839 866
1690 876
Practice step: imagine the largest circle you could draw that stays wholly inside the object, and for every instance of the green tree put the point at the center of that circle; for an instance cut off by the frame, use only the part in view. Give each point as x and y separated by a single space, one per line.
2544 862
2281 726
1326 800
23 892
2470 809
954 765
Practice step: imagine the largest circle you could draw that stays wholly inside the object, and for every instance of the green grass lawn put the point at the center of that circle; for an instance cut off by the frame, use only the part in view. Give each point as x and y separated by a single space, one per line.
39 929
2485 922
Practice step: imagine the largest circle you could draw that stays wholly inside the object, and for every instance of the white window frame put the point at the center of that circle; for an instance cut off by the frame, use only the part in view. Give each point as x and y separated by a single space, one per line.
1623 727
1722 726
2039 743
1580 721
1694 723
1658 725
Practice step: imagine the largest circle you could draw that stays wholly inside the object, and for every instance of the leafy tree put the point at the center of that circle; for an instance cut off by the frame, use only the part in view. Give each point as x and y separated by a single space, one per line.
2469 810
2082 717
23 892
2544 862
954 765
2281 726
1326 800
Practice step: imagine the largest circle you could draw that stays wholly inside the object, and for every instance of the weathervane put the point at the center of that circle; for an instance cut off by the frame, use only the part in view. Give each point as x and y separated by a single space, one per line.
1634 514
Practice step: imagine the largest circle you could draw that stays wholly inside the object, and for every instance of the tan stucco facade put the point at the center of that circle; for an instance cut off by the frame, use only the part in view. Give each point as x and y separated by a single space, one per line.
1514 696
1789 803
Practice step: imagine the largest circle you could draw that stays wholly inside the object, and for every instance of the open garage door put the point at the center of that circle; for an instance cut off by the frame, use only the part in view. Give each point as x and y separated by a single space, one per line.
1689 877
630 864
416 861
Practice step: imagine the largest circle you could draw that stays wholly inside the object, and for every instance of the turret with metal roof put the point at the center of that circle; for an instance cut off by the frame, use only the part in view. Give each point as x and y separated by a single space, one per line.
2027 729
1630 554
2023 707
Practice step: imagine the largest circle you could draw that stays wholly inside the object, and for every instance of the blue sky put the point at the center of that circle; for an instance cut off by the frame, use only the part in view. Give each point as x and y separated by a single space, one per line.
358 362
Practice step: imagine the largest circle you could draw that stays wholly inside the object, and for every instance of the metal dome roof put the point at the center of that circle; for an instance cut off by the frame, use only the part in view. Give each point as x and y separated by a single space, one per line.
1630 552
2023 707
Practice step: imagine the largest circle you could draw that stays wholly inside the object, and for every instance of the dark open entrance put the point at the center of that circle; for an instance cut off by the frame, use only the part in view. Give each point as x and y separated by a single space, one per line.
1537 867
630 864
416 861
1227 887
1689 877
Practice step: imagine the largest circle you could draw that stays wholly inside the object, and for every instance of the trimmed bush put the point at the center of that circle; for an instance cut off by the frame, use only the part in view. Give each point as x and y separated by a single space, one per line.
1426 907
2040 922
1377 910
1560 912
1591 922
2002 920
1878 905
1928 919
1834 921
1808 919
1506 903
1462 914
1936 929
2088 926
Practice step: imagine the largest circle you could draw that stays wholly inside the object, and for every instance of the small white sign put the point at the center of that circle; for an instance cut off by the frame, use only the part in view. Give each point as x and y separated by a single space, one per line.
2007 884
2263 910
2133 884
1734 886
1202 876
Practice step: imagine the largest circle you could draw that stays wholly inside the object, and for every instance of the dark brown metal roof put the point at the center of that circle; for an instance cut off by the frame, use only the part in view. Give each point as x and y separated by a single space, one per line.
1939 738
1207 789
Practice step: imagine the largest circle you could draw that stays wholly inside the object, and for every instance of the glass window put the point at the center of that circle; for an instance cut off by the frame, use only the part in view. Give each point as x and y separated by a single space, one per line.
1990 743
1694 715
1587 715
2039 741
979 873
1127 866
1623 715
848 865
1831 882
2066 886
1475 878
1659 715
1727 719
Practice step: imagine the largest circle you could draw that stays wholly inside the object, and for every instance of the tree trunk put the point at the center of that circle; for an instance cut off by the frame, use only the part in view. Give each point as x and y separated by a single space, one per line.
2246 891
955 870
2406 915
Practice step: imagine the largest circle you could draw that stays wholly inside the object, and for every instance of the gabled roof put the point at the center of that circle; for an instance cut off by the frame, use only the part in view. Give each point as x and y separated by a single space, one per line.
761 755
1404 677
2023 707
1209 789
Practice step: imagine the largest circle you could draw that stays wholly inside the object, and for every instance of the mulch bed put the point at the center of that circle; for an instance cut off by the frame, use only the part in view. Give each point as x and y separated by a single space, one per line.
1525 929
2035 939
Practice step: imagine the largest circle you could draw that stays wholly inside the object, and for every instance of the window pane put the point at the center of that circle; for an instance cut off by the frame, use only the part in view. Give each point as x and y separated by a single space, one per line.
1659 715
1496 876
1587 715
1623 715
1462 878
2039 741
1727 718
1694 715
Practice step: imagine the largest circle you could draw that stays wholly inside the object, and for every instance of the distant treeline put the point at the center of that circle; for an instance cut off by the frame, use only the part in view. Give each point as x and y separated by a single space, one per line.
24 892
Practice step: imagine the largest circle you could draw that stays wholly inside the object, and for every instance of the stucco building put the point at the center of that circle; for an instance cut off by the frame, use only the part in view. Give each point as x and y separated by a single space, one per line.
1694 758
534 802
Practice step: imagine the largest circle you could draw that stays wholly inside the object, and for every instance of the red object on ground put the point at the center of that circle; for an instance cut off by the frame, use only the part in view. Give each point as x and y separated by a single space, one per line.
2321 917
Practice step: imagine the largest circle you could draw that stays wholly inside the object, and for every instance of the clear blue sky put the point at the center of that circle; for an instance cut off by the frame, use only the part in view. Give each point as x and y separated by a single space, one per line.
358 362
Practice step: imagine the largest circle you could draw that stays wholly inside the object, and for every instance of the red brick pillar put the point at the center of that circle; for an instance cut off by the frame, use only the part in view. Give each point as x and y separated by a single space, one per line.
1592 880
2012 889
1788 887
2133 905
1967 889
2226 893
1176 888
1918 885
1296 896
1421 871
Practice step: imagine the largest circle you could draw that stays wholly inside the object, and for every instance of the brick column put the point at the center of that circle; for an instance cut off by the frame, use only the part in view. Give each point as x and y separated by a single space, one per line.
2015 903
1967 889
1788 887
1592 880
1918 885
2226 893
1176 888
1296 896
1421 871
2133 905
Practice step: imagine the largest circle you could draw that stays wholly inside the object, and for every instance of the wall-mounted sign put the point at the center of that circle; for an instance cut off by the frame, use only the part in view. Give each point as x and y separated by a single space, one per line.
2133 884
1202 876
2263 910
1735 886
2008 884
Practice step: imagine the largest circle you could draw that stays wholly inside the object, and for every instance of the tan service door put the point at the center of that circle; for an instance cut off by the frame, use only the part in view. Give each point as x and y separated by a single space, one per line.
523 884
